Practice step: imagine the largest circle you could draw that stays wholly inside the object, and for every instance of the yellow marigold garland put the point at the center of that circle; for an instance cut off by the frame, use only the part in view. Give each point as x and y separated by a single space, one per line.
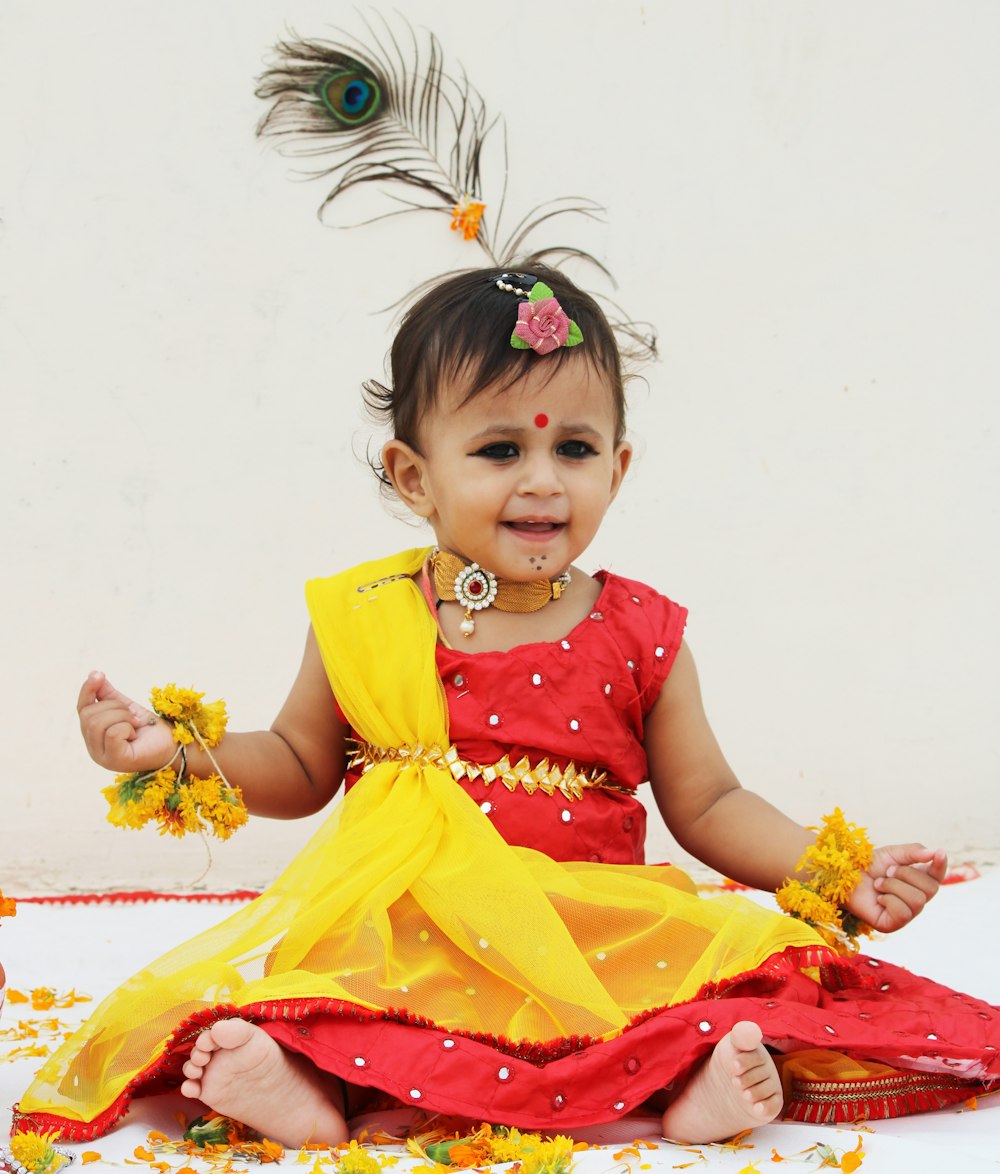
192 719
835 862
178 802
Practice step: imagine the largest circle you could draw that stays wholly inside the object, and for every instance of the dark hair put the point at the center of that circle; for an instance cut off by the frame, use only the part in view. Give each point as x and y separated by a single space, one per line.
461 327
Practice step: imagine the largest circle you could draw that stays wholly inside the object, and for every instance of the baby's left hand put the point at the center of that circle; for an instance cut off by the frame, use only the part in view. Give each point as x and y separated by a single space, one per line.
900 880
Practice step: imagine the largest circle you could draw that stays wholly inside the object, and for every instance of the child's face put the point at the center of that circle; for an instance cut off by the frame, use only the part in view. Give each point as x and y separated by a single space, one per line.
518 480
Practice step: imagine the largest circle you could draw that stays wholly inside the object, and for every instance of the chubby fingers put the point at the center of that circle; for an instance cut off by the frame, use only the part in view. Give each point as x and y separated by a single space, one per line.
98 689
89 692
108 721
911 880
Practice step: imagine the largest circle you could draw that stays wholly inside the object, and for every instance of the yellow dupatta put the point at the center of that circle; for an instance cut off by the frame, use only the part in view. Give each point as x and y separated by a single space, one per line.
407 897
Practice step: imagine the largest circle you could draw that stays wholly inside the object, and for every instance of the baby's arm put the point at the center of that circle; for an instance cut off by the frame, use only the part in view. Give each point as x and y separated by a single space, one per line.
291 770
741 835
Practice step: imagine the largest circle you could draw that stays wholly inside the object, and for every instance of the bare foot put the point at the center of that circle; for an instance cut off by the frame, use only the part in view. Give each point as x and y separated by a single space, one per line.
239 1071
736 1088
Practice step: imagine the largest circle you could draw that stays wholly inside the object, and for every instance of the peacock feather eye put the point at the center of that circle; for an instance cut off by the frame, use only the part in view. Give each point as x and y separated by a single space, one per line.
352 96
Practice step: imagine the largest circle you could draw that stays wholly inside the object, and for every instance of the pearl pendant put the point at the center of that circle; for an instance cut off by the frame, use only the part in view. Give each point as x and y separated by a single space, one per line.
467 626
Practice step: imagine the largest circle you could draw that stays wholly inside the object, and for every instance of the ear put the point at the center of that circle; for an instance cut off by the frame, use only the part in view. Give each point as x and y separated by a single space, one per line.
406 469
621 461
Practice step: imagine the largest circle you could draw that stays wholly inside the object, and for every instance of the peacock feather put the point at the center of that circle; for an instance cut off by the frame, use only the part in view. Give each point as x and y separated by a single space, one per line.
386 112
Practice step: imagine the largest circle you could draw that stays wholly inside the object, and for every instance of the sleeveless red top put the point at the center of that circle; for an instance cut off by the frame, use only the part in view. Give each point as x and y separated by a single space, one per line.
579 700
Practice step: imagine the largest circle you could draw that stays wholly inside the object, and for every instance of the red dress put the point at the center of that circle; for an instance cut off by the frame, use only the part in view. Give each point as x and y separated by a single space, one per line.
583 700
865 1038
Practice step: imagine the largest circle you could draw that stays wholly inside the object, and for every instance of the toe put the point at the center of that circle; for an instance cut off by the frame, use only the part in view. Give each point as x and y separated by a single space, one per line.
232 1033
754 1072
746 1036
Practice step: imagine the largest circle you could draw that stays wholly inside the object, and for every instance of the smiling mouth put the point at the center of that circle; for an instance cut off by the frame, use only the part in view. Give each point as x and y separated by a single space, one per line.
541 529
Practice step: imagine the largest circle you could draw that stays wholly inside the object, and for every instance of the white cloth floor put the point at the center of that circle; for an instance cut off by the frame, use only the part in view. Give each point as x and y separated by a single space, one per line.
92 947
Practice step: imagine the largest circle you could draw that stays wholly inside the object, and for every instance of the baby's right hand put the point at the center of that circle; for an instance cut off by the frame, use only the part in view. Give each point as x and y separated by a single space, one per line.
120 734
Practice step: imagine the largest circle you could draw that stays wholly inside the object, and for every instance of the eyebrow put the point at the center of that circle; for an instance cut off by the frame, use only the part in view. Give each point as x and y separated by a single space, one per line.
514 430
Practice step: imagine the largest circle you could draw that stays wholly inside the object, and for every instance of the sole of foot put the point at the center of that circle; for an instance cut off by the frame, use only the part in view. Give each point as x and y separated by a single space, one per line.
238 1070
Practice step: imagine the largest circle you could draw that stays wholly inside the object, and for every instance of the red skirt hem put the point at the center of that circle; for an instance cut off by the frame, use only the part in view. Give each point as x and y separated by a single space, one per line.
862 1007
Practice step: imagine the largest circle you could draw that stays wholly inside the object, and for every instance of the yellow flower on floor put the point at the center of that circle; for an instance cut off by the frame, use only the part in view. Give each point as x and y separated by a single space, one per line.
506 1149
34 1151
551 1157
8 906
356 1160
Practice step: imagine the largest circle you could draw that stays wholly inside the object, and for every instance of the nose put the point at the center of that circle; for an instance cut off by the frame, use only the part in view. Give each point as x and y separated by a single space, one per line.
540 476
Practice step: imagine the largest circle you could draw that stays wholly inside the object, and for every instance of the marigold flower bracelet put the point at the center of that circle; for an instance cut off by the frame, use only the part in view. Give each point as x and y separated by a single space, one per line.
835 862
176 801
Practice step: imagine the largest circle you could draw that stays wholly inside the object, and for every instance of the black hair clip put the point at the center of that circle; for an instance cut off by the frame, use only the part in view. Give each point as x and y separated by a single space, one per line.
515 283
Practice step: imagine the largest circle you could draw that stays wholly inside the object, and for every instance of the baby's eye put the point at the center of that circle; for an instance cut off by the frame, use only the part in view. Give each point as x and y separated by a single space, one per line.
501 450
576 449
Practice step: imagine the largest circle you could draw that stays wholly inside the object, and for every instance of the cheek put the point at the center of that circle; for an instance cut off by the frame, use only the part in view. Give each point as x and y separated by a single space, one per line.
470 496
595 496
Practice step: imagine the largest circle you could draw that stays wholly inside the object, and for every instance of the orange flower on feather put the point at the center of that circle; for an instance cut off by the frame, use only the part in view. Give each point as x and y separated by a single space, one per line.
466 216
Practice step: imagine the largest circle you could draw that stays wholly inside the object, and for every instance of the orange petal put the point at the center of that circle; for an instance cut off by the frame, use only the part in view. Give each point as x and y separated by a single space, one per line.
142 1153
90 1156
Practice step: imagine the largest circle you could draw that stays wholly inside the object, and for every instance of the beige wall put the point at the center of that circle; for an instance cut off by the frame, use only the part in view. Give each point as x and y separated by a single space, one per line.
802 197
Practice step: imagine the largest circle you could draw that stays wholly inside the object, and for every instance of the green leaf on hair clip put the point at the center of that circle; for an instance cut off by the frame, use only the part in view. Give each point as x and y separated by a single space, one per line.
538 291
519 344
575 334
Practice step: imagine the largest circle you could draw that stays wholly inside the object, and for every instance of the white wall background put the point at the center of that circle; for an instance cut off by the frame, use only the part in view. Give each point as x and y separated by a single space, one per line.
802 196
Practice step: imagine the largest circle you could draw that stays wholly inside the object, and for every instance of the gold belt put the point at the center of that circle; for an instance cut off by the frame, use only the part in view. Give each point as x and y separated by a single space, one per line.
570 782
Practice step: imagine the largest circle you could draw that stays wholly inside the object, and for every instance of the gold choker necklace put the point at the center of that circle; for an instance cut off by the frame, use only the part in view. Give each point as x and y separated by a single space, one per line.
475 588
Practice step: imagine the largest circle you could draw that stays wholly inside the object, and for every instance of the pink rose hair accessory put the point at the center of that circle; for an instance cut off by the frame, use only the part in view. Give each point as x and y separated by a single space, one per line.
542 324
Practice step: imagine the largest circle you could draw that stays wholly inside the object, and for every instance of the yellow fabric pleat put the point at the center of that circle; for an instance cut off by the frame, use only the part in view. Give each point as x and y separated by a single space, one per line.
408 897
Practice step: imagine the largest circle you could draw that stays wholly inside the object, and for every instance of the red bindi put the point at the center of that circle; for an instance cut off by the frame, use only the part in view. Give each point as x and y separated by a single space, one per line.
541 420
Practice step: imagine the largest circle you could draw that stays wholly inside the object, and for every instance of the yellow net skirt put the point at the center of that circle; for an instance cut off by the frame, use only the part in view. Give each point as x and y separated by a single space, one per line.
408 897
